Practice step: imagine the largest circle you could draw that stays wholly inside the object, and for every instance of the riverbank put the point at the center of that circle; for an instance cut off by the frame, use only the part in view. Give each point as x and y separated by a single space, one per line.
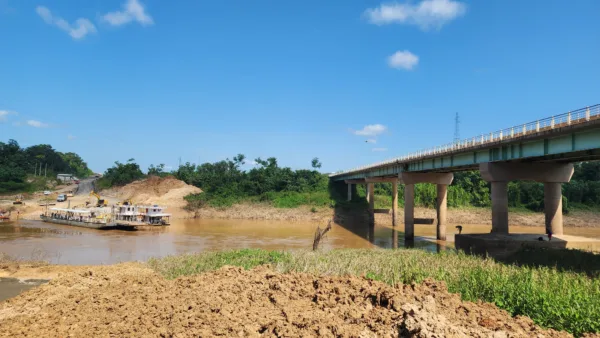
480 216
339 292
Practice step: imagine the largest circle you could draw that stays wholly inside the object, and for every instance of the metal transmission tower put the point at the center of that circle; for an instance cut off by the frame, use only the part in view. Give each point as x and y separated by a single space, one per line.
457 129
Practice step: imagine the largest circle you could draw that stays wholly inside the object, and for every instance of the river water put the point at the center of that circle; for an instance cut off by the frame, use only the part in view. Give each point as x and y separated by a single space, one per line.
61 244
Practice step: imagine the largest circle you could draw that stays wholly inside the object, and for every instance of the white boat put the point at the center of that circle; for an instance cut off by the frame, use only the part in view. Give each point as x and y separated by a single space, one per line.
78 217
141 215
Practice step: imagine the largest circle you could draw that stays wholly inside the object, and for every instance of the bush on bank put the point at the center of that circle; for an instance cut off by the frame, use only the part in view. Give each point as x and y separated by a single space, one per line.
551 297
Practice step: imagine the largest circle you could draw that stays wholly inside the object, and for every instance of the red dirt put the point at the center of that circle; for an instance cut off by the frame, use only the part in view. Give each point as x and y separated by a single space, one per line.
130 300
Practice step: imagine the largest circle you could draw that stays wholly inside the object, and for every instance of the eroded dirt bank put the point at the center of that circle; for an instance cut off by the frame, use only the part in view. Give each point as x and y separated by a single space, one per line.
478 216
132 300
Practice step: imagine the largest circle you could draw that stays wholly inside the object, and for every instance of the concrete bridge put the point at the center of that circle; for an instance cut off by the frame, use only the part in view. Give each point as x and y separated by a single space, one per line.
542 151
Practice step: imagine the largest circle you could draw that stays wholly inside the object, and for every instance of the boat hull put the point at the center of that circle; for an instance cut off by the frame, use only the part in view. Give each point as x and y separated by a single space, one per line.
100 226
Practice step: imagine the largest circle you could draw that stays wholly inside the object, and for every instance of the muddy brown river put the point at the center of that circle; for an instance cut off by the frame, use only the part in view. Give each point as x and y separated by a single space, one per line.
61 244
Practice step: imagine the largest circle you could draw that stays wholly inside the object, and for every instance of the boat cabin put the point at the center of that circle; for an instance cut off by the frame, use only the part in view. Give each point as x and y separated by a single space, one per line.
147 214
77 215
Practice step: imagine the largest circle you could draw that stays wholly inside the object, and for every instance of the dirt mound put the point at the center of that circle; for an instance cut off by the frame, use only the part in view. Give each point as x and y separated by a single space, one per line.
129 300
167 191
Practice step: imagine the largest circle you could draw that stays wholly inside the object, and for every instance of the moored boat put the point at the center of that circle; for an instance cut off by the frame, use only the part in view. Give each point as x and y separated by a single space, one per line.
4 215
86 218
152 215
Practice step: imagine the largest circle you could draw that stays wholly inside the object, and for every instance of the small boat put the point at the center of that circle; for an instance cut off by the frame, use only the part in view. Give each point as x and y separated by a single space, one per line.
141 215
4 215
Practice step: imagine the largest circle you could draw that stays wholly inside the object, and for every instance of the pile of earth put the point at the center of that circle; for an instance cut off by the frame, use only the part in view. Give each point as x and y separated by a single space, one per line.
131 300
167 191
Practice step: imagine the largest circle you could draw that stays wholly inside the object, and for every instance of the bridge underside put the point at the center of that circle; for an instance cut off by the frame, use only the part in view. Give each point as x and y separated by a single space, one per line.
546 157
576 146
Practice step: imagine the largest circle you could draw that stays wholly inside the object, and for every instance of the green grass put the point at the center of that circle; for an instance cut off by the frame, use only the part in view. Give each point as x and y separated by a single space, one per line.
551 297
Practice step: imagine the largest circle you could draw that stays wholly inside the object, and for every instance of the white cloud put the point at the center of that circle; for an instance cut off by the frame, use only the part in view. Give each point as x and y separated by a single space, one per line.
4 115
78 30
36 124
426 14
133 10
403 59
71 137
371 140
379 149
371 130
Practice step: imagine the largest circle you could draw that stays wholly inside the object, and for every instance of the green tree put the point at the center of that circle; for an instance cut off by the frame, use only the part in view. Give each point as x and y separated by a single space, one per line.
76 165
315 163
121 174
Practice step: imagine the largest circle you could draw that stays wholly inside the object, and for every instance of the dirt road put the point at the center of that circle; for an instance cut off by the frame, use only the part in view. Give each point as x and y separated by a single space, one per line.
85 186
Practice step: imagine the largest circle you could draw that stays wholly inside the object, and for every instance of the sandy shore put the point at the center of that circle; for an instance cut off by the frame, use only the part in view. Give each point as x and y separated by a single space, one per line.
478 216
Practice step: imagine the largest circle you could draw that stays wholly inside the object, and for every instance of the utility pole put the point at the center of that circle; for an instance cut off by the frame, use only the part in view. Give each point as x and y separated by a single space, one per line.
46 170
456 129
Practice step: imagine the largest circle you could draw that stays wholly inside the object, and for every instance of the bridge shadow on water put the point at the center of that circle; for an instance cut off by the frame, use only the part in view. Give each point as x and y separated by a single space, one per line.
354 217
356 220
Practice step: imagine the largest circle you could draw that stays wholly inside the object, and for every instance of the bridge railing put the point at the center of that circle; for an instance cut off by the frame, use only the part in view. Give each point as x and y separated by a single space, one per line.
578 116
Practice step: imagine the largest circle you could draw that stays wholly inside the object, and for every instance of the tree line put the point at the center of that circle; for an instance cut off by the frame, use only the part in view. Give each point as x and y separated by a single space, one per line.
17 164
227 182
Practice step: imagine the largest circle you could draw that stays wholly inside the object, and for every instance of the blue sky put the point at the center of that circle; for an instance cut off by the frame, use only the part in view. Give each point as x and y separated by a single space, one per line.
206 80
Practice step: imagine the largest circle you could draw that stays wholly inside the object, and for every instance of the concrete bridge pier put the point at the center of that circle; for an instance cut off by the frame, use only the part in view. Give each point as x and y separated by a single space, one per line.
349 192
394 202
442 206
371 200
551 174
410 179
500 207
409 212
553 207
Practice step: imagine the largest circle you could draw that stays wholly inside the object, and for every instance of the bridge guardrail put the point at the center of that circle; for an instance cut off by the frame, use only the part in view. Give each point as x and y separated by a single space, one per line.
578 116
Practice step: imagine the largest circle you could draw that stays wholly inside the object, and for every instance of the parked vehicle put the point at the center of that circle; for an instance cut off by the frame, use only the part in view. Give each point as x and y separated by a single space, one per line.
61 198
47 192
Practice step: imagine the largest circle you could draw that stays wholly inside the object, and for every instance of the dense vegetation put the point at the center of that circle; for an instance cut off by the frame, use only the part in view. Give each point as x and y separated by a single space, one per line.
18 166
225 183
120 174
552 297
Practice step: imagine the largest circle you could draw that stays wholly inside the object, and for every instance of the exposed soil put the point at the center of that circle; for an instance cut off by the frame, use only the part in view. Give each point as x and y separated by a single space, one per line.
484 217
130 300
261 211
479 216
164 191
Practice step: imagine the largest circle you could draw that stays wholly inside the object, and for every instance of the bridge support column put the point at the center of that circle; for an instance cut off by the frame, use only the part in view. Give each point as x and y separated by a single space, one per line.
442 205
410 179
349 192
409 212
553 207
500 207
394 202
371 200
551 174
